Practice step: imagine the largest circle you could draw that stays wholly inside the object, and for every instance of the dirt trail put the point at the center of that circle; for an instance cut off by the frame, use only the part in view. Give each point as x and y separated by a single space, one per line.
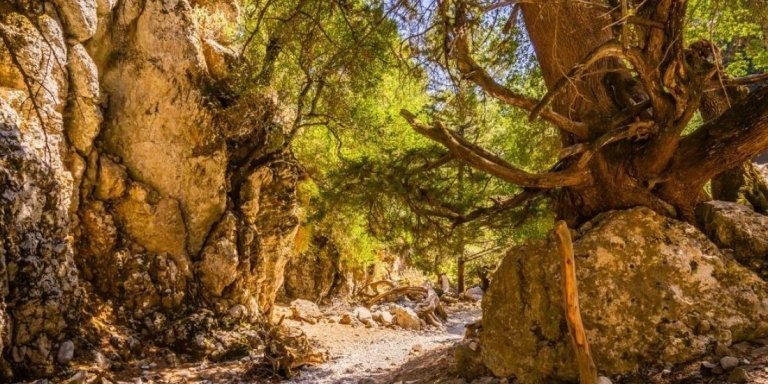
372 355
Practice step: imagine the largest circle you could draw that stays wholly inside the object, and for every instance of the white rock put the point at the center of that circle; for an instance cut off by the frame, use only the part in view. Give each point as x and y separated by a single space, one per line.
406 317
305 310
729 362
474 293
66 352
363 314
383 317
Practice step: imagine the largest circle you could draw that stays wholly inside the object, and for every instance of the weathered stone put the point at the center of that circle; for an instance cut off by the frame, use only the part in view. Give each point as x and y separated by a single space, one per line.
38 278
738 375
474 293
645 283
346 319
729 362
79 17
218 267
305 310
158 122
318 273
99 231
156 225
362 314
218 58
83 114
112 180
104 7
405 317
66 352
383 317
269 207
734 226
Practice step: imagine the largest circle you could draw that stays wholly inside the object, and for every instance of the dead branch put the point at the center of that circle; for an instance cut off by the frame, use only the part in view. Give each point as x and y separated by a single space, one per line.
431 310
483 160
397 292
374 286
587 368
746 80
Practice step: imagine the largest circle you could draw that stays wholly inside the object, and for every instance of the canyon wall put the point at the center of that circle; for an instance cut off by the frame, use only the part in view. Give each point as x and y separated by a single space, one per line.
120 180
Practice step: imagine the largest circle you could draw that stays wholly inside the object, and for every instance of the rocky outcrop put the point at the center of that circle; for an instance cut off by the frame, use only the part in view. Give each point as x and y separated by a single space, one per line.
653 291
318 273
736 227
120 179
38 278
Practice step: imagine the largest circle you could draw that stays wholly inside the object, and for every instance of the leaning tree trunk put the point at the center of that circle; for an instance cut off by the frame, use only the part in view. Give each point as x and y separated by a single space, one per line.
744 183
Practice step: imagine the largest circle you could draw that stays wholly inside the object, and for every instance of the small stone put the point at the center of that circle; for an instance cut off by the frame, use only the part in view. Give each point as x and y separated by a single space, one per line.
729 362
363 314
66 352
604 380
738 375
417 348
708 365
345 319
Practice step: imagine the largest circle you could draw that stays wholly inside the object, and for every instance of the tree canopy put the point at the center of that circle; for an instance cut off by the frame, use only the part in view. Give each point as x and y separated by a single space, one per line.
434 129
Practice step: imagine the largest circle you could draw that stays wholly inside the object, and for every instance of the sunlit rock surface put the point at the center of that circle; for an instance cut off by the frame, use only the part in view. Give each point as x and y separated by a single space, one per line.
652 290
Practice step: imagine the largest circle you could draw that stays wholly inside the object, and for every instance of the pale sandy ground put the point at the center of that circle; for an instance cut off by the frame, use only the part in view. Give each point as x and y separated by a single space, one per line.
367 354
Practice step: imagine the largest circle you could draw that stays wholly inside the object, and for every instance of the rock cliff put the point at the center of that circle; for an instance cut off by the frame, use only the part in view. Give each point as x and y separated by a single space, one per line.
653 291
120 176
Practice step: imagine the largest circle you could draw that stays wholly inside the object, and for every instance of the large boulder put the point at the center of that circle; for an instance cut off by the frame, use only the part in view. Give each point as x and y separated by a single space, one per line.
734 226
653 291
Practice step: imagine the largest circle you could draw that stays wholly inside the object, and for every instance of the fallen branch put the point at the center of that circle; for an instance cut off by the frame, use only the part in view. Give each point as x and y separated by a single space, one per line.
398 292
587 368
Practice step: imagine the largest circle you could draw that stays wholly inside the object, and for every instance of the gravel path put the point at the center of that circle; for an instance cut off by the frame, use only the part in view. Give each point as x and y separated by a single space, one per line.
360 353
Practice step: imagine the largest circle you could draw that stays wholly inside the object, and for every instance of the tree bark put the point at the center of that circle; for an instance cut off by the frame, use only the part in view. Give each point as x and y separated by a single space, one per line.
460 272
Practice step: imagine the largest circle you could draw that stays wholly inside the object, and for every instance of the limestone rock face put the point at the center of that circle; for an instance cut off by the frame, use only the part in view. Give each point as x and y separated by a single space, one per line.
652 290
79 18
158 124
316 274
116 168
218 268
38 278
83 115
156 225
734 226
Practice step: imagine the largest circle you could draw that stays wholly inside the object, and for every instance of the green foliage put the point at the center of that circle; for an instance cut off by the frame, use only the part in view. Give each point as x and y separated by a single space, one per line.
737 27
345 69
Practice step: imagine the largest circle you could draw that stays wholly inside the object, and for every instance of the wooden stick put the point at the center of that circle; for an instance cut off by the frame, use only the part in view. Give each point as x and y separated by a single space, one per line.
587 368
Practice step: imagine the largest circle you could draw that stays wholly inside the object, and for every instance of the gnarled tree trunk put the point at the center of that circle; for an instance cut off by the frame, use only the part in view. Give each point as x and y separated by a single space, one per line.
622 87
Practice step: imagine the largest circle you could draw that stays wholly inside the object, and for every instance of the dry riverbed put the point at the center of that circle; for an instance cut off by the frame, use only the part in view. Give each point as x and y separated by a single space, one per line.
374 355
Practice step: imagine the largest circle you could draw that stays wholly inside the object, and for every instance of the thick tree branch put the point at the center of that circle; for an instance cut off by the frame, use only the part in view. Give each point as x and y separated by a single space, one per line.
485 161
736 136
476 74
510 203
